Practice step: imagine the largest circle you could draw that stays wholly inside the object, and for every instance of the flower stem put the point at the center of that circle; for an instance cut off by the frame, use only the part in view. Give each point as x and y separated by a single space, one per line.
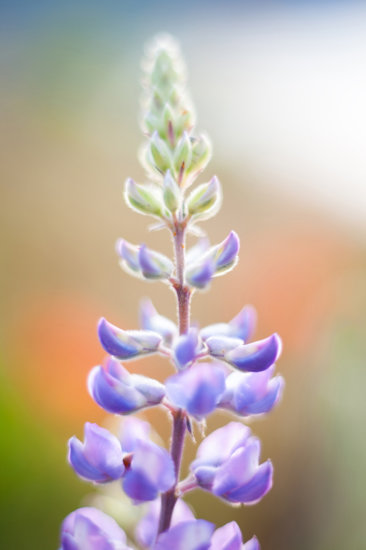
183 293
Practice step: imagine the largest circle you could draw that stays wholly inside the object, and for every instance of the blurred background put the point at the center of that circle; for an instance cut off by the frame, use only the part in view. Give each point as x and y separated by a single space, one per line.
280 88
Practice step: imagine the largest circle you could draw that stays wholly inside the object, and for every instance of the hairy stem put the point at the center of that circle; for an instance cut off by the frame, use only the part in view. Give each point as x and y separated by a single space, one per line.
183 293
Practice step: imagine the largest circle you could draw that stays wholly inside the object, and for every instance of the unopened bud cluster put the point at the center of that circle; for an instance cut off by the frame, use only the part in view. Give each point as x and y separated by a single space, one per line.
214 367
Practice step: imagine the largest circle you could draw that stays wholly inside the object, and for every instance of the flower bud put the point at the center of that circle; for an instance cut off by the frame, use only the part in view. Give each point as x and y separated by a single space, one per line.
226 253
216 261
129 255
256 356
127 344
153 264
143 199
171 192
205 200
183 153
143 262
201 154
159 155
119 392
199 275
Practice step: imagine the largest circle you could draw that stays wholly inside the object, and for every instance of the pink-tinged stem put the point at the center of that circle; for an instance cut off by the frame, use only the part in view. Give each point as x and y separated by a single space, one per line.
183 292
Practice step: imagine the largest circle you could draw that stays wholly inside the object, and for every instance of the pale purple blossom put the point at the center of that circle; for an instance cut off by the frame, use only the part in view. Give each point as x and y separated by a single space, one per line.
119 392
227 465
90 529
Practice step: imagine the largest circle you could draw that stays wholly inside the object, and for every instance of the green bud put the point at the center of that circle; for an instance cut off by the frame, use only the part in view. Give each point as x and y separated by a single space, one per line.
201 154
143 198
183 153
171 192
159 155
205 200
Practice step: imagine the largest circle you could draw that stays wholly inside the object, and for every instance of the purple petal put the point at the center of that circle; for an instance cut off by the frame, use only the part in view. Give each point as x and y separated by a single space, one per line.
239 469
100 458
125 344
257 356
151 320
243 325
252 544
217 447
128 254
115 341
228 537
185 349
153 264
147 528
256 488
197 389
89 528
268 401
119 392
151 472
115 395
190 535
200 274
227 251
252 393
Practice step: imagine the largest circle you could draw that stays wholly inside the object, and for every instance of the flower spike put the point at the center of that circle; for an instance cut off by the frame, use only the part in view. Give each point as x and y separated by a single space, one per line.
227 461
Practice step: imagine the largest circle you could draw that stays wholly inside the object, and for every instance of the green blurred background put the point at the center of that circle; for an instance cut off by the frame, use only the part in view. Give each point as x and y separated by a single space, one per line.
280 88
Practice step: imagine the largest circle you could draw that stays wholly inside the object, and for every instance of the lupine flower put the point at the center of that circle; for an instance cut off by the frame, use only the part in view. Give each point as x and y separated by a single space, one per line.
189 535
147 528
127 344
251 393
229 537
90 529
216 261
200 535
99 458
242 326
145 468
253 357
197 390
227 465
119 392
